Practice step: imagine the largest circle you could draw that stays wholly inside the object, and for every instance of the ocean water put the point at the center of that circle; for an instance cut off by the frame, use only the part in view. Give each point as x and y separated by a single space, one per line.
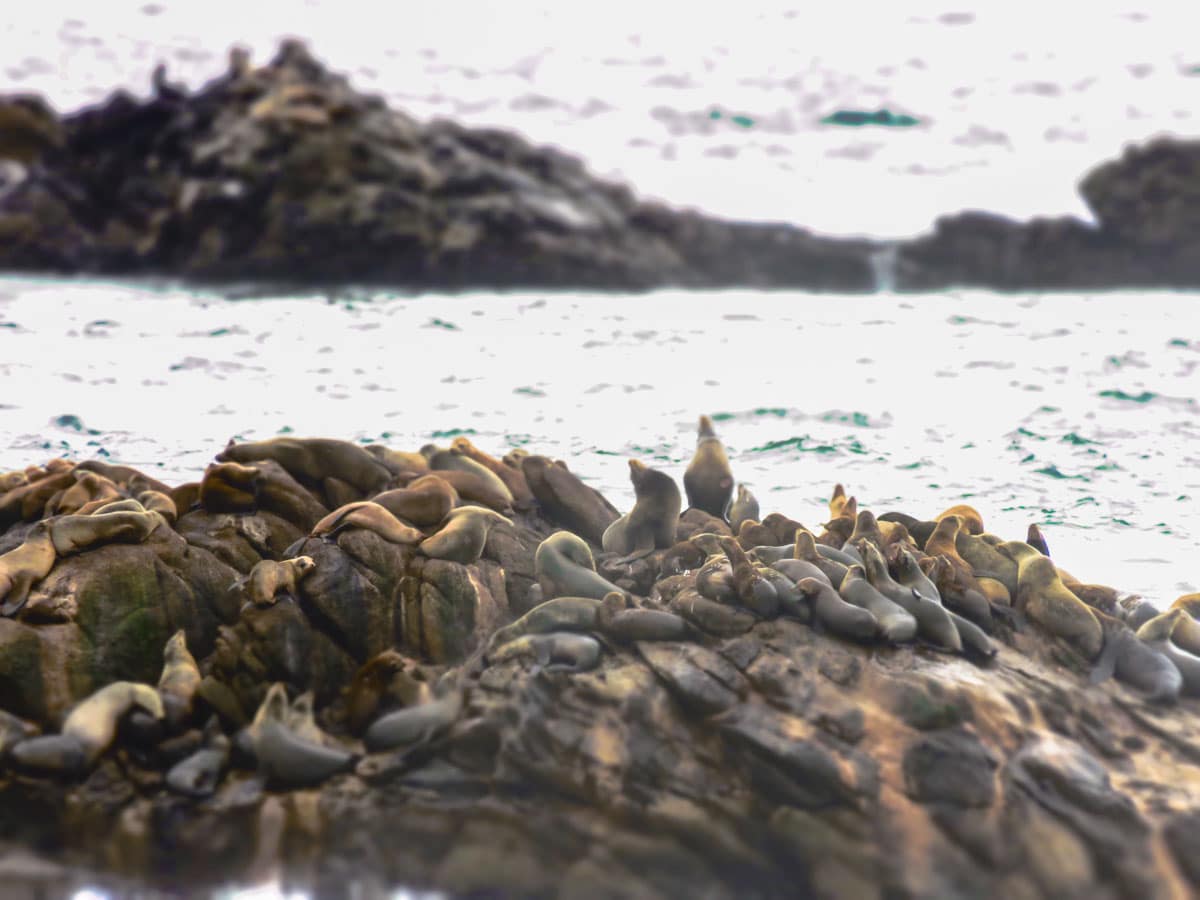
1076 412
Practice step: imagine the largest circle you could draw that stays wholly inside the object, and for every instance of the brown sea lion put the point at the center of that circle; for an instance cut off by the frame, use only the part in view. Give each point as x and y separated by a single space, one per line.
969 517
286 758
130 480
180 678
1036 540
24 566
619 619
1044 598
558 651
370 516
74 534
918 530
985 557
156 501
942 542
783 528
754 592
417 725
933 621
651 524
557 614
462 535
473 489
866 528
398 462
12 480
836 532
382 683
805 548
1187 631
88 488
512 476
312 460
751 534
28 502
708 480
566 500
269 578
441 459
959 592
835 614
93 722
229 488
186 497
837 502
424 502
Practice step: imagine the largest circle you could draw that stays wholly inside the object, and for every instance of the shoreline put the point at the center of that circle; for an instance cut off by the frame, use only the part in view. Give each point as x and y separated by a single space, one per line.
284 175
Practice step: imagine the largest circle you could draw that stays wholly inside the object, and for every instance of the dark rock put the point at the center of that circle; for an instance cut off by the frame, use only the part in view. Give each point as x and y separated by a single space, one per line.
950 767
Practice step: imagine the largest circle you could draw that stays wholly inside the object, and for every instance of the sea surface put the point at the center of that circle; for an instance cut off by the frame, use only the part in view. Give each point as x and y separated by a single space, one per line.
1076 412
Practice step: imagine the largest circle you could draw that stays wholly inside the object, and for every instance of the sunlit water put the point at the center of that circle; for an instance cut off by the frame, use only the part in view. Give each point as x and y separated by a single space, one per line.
717 106
1076 412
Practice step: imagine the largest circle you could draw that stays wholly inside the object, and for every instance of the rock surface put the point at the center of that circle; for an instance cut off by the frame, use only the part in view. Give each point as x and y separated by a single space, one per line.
756 757
285 175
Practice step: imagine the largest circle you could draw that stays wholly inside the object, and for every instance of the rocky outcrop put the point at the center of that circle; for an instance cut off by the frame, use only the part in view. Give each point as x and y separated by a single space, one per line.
285 174
741 753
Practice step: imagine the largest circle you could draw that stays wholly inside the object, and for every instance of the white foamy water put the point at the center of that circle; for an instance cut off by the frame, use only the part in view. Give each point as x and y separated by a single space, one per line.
714 106
1077 412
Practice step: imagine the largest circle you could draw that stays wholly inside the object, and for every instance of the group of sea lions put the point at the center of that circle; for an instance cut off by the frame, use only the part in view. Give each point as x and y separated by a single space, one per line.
659 572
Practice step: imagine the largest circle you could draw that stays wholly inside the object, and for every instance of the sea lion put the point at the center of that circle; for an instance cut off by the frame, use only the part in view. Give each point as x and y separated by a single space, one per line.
984 557
186 497
617 618
424 501
714 580
565 561
714 618
650 525
791 601
708 480
229 488
769 555
130 479
441 459
418 725
835 614
1036 540
783 528
1157 633
512 476
301 720
896 623
383 678
198 775
286 758
959 591
795 569
743 508
558 651
751 534
463 535
974 639
471 488
88 488
312 460
28 502
836 532
917 529
24 566
805 548
12 480
943 543
1136 663
566 500
865 528
369 516
933 621
968 517
157 501
269 578
1187 631
837 501
398 462
1044 598
74 534
93 722
753 591
910 574
558 614
179 680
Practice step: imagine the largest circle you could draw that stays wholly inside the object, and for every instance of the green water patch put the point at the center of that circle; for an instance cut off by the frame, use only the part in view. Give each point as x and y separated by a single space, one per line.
1087 501
1027 458
1107 467
286 429
443 324
856 118
1143 397
908 467
452 432
1182 344
795 443
742 121
13 325
1053 471
1072 438
1025 432
73 423
857 419
1049 409
529 392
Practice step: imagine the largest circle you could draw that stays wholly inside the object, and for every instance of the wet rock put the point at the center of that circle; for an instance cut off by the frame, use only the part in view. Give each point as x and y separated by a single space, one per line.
951 767
704 682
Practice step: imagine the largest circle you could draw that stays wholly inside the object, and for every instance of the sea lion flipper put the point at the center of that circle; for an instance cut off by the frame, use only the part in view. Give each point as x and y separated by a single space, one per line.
1106 665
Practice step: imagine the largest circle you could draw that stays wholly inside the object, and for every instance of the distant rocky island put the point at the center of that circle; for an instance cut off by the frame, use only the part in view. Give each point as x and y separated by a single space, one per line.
285 174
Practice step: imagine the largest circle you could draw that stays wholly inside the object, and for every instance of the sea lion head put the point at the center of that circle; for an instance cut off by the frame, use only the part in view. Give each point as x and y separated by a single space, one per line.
274 706
705 431
303 565
148 699
176 646
708 542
